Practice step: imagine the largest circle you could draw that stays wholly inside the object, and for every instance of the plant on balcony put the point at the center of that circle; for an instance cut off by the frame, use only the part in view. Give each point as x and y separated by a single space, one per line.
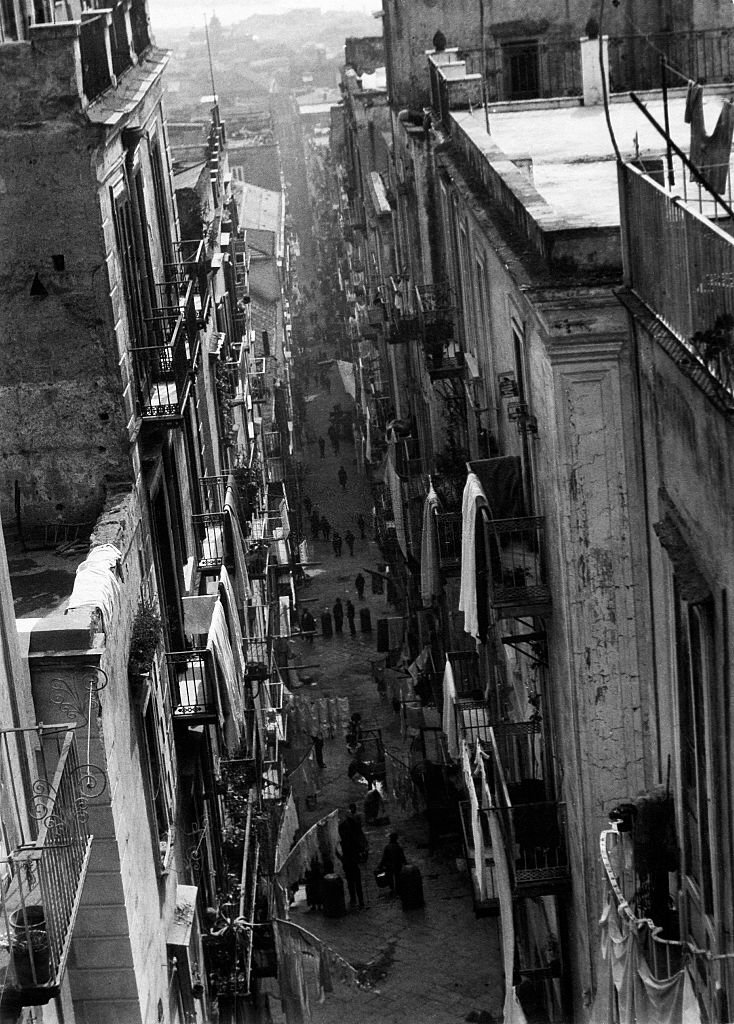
146 634
716 344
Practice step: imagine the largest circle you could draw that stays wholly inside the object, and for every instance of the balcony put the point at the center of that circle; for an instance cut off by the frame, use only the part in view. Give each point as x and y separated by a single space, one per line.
472 720
448 533
479 861
408 462
109 37
519 585
681 270
465 667
404 327
701 56
276 470
533 825
193 688
42 875
211 541
190 265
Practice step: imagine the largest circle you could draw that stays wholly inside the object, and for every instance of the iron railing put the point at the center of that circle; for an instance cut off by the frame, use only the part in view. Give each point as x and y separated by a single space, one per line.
448 532
531 69
533 830
162 363
519 583
408 460
479 862
193 694
701 56
42 873
465 667
681 265
211 541
472 720
190 264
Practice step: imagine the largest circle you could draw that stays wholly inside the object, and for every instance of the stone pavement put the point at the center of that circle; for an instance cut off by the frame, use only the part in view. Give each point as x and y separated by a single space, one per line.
436 965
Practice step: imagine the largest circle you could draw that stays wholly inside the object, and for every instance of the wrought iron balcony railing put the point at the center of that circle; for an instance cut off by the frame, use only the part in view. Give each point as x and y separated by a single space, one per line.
42 873
465 667
448 532
211 540
408 462
533 826
192 685
479 861
519 583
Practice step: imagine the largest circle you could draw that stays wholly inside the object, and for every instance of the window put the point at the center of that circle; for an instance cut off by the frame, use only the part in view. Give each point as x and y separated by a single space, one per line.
160 766
521 70
695 644
124 232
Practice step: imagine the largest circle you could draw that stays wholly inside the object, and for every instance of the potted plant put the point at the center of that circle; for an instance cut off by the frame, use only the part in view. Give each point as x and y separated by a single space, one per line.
144 639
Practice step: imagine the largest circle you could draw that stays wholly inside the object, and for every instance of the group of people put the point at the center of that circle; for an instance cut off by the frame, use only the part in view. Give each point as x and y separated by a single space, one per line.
353 851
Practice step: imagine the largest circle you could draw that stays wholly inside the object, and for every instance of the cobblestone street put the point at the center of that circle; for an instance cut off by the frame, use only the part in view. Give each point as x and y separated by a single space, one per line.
436 965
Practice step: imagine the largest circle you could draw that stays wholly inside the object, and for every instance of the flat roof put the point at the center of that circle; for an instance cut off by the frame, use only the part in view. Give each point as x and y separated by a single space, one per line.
573 161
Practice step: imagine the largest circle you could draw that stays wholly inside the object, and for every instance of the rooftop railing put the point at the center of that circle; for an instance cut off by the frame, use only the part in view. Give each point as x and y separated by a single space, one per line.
42 873
704 56
681 266
531 69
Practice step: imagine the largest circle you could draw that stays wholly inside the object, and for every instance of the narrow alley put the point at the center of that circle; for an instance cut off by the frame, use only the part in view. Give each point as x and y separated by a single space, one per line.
434 964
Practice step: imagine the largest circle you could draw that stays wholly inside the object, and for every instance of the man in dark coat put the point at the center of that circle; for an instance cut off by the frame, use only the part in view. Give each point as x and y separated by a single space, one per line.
353 846
350 618
338 611
392 861
350 539
342 474
325 527
359 584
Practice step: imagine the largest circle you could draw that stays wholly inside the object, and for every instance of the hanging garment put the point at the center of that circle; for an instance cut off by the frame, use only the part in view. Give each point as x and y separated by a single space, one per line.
395 488
473 499
449 715
430 572
709 153
97 582
218 643
319 841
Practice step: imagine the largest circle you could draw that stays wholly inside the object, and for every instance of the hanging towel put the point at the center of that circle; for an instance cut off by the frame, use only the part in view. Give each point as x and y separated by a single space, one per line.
449 715
218 643
473 499
709 153
430 575
395 488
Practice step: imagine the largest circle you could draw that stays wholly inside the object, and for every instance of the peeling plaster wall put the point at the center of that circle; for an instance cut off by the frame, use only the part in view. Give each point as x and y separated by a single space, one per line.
62 423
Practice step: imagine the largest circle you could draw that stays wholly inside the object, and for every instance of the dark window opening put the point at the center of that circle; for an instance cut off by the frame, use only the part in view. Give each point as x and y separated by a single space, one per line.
522 73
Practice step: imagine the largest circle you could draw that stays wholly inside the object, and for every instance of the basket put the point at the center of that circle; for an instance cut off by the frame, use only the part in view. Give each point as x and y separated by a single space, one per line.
381 878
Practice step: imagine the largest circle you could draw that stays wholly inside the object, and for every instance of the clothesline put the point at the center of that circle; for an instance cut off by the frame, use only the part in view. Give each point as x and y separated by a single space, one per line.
655 929
646 37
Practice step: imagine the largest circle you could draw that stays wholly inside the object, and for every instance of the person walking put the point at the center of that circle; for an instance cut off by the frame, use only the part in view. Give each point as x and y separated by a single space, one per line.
338 612
315 525
392 861
350 539
342 474
322 446
350 618
361 526
337 544
308 505
308 625
318 749
359 584
353 847
325 527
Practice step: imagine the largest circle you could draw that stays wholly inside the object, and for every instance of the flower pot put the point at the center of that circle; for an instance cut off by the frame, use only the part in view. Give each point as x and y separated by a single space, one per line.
29 946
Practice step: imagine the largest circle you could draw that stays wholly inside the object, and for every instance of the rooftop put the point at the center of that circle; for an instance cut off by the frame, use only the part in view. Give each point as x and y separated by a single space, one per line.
573 164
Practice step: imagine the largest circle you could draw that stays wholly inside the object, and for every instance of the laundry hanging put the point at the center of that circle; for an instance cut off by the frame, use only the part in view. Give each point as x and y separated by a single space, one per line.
430 572
709 153
473 499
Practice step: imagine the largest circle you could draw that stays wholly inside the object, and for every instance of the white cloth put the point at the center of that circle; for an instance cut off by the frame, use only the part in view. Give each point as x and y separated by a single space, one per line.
476 825
473 499
219 644
241 578
396 499
235 632
97 582
449 715
346 372
430 565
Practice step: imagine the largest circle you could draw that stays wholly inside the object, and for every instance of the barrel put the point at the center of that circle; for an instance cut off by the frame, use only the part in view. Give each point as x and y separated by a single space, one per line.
365 620
332 891
326 627
410 887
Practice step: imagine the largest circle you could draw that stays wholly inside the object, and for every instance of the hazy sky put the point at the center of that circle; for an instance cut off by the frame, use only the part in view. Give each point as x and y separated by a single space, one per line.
180 13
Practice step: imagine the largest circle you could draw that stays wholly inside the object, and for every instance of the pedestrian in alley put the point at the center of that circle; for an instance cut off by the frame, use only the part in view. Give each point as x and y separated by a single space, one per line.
393 861
308 505
325 528
337 544
308 625
338 612
322 446
350 617
315 525
318 749
353 844
361 526
350 539
359 584
342 474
